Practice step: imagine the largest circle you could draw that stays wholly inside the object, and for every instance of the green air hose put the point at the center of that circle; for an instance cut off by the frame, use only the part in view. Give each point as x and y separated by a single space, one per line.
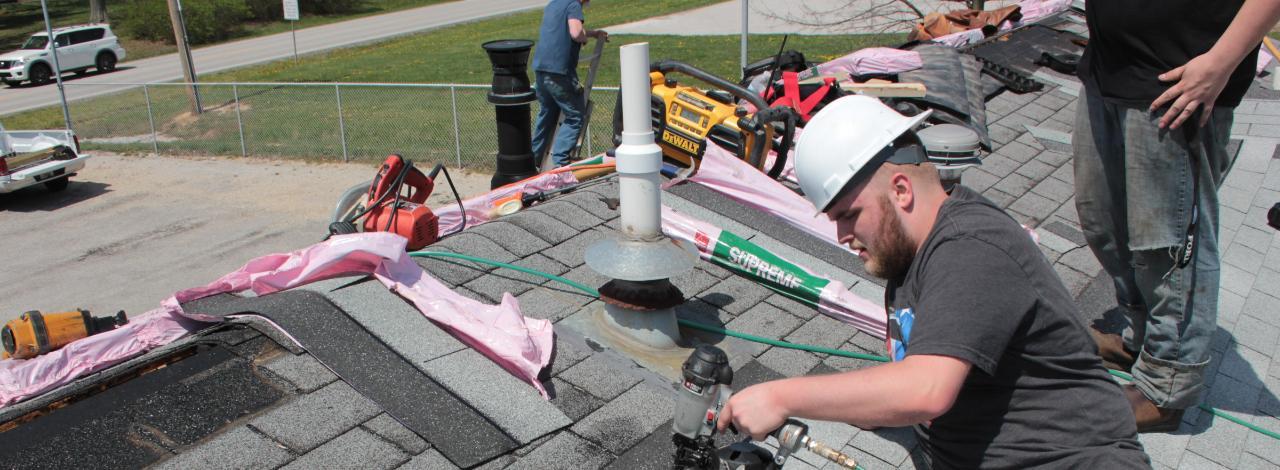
773 342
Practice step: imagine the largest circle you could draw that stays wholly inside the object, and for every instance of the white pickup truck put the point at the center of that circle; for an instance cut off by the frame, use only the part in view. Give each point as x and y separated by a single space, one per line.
38 157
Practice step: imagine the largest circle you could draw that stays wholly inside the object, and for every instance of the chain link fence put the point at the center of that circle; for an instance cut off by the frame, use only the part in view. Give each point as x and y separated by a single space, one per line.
427 123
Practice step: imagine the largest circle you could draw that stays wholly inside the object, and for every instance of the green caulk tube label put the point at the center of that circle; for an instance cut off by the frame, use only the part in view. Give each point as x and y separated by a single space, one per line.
748 259
742 257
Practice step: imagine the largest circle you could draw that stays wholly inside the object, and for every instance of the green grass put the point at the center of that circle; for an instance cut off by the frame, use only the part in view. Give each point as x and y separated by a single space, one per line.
303 122
19 20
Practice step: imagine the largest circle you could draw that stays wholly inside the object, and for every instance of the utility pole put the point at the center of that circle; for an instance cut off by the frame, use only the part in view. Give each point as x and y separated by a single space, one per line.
184 54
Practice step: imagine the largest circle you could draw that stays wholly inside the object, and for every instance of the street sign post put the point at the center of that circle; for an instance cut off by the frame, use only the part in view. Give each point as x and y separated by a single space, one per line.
291 15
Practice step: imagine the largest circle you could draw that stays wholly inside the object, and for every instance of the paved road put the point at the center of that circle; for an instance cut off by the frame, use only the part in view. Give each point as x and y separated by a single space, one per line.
264 49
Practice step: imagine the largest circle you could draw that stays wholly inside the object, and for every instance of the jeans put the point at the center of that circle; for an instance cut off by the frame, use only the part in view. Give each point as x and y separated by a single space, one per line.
557 94
1134 196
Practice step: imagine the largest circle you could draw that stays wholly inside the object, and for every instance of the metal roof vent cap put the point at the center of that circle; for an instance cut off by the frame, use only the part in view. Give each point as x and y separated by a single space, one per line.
952 148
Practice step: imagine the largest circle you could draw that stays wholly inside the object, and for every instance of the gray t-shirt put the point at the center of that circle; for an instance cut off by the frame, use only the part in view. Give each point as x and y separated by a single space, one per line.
1037 395
556 51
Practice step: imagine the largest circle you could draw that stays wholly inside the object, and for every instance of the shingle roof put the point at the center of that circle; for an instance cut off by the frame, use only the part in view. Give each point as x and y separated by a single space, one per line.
609 410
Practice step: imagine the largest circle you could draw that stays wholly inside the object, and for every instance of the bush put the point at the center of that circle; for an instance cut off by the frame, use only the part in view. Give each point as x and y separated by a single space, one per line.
329 7
207 20
265 10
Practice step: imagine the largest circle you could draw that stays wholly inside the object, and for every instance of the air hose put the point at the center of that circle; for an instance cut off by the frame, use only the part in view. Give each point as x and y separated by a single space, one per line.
773 342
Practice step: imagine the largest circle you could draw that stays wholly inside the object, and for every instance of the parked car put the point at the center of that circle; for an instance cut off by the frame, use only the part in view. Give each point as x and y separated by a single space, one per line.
29 158
80 48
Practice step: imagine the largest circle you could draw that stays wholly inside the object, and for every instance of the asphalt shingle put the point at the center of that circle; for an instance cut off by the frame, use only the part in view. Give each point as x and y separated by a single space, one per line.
1082 260
569 350
574 402
512 238
494 285
570 214
789 362
565 450
1035 205
1220 443
355 450
735 294
626 420
1018 151
570 252
892 445
313 419
601 375
1164 448
388 428
593 203
764 320
549 229
1256 334
238 448
303 371
550 304
429 460
822 331
519 410
1014 185
395 321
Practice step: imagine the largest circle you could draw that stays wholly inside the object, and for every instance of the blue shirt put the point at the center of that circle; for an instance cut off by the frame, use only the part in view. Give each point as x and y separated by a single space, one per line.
556 51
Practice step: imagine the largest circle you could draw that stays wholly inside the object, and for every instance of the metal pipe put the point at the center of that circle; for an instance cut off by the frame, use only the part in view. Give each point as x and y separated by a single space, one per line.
639 158
457 133
235 92
746 11
342 126
57 68
155 140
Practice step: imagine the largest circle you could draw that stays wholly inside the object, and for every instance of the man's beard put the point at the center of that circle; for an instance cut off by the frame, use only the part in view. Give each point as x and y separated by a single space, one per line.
893 251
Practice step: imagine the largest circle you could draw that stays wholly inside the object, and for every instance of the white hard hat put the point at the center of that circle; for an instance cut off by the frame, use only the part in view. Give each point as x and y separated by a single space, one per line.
844 139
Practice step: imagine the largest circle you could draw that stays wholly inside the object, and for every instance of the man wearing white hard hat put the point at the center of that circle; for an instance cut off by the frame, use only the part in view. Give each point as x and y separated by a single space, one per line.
990 360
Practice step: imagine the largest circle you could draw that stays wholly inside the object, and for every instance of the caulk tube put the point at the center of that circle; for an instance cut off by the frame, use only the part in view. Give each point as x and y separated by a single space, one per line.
754 262
639 158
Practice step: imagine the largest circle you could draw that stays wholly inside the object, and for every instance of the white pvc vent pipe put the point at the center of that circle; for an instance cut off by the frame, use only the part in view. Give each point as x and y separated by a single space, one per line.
639 158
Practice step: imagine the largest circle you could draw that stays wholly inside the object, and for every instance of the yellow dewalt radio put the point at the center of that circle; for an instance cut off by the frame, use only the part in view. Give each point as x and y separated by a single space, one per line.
685 118
34 333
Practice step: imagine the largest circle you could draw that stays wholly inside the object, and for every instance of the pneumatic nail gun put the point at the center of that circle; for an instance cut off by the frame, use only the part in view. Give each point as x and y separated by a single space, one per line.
704 391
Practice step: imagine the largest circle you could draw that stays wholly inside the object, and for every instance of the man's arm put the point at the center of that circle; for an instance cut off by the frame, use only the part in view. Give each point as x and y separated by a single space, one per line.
1200 81
917 389
580 34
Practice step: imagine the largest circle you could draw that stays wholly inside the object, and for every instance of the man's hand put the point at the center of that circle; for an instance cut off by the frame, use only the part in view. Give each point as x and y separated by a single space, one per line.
599 33
1199 82
754 410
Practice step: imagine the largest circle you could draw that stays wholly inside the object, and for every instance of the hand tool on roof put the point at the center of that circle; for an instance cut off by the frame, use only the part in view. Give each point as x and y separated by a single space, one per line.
703 392
685 118
35 333
393 209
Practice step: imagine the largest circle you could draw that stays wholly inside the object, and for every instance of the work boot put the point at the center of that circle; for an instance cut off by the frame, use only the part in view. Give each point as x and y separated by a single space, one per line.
1112 351
1149 417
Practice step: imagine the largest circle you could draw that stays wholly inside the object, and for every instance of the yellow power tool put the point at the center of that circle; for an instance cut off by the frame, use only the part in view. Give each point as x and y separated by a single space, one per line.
35 333
685 118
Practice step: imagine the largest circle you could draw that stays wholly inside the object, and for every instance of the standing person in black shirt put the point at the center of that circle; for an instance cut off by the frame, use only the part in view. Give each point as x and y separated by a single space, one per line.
1161 80
992 363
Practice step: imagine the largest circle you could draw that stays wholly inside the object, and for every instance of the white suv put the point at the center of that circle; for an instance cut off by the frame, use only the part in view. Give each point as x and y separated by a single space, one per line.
80 48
